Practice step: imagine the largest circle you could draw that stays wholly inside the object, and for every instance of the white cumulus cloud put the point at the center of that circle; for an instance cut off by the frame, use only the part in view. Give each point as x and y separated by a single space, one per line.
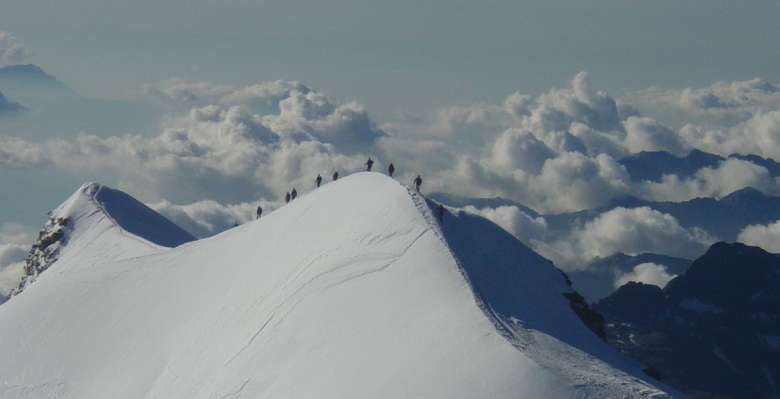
626 230
232 151
647 273
15 241
764 236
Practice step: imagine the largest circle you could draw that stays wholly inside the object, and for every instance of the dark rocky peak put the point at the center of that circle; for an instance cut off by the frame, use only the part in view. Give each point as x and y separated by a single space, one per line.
634 302
728 275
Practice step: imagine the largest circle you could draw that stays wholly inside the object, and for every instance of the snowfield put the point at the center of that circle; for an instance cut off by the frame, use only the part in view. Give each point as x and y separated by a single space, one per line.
351 291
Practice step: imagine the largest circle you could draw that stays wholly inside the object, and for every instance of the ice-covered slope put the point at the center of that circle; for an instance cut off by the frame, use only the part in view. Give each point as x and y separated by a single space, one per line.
351 291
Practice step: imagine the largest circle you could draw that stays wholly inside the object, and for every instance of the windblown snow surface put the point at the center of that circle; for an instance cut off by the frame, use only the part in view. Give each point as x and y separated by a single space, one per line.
351 291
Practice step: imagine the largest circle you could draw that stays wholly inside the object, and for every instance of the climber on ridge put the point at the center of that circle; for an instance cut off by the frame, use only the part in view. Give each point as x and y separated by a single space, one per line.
318 180
391 169
259 211
287 197
293 194
335 176
369 164
418 183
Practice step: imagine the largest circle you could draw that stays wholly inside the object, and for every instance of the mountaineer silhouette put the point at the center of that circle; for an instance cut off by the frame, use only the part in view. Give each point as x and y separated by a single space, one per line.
417 183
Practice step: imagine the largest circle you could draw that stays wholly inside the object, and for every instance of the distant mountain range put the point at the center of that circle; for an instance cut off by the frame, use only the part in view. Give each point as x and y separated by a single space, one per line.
734 212
713 332
653 165
724 218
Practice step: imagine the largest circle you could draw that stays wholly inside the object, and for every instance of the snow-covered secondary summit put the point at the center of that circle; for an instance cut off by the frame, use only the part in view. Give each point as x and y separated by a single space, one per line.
87 225
351 291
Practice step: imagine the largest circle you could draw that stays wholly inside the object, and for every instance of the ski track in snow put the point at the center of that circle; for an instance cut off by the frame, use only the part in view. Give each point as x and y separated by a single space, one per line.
298 297
237 392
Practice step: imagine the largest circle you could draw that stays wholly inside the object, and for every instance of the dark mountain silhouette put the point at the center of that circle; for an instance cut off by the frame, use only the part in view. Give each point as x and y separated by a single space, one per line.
713 332
653 165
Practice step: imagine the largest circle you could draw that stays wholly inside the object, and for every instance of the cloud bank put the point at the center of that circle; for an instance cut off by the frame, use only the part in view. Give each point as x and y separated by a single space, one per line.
229 152
626 230
556 151
223 149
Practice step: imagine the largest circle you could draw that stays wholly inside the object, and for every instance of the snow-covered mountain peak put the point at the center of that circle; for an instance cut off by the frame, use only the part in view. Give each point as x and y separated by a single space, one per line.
355 290
83 199
122 210
98 222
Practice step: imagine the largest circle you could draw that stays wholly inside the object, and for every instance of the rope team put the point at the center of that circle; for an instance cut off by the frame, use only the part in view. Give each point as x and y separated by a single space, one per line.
292 194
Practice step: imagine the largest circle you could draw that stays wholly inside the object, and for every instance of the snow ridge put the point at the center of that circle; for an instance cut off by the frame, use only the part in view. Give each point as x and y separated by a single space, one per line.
576 364
426 206
353 290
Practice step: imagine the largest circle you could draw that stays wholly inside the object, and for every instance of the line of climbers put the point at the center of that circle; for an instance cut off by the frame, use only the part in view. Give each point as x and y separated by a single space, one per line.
291 195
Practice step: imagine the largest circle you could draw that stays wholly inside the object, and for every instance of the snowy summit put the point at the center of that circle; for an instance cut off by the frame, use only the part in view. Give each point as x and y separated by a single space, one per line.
355 290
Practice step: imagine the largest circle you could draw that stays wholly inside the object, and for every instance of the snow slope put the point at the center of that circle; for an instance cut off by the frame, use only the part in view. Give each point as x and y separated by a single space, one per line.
352 291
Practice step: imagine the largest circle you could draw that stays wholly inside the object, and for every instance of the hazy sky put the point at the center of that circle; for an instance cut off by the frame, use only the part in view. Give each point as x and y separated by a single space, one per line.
401 54
534 101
